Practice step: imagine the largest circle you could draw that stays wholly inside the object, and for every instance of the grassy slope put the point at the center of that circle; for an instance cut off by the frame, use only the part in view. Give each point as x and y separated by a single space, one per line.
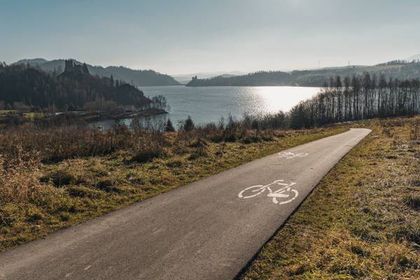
76 190
362 221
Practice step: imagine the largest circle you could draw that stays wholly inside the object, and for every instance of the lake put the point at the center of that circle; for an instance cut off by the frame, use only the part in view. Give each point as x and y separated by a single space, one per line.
209 104
206 104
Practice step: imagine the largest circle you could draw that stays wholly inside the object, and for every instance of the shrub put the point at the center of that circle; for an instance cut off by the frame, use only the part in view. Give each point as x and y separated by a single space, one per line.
59 178
33 215
197 154
107 186
199 143
147 155
409 232
9 214
251 139
412 201
176 163
80 191
19 179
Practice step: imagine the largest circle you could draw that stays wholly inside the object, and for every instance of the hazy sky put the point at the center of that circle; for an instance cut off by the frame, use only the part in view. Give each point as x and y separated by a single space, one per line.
187 36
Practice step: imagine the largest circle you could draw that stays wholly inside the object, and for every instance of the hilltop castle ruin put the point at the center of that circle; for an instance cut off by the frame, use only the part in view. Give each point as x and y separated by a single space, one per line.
72 67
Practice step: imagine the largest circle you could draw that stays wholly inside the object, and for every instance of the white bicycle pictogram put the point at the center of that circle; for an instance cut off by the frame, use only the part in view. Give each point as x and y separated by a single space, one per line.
290 155
285 194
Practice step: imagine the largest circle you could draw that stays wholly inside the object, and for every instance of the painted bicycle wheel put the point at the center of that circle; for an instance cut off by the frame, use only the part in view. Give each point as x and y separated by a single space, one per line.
252 191
291 194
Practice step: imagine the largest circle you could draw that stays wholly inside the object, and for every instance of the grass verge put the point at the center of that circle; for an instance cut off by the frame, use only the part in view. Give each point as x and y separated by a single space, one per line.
362 221
38 197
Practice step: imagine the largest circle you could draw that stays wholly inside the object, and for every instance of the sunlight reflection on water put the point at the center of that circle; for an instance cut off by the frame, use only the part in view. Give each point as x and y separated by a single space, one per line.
205 104
209 104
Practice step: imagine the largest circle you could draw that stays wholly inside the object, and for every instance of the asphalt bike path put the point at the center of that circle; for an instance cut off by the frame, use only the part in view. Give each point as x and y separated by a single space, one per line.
209 229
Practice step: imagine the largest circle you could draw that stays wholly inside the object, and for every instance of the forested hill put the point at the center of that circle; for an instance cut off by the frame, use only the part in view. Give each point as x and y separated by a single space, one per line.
74 89
136 77
318 77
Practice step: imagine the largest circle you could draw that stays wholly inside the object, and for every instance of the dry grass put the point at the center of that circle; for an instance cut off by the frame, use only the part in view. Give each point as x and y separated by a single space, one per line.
49 182
362 221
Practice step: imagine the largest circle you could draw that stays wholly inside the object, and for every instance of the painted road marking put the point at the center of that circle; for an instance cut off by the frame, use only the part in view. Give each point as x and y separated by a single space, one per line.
283 195
87 267
290 155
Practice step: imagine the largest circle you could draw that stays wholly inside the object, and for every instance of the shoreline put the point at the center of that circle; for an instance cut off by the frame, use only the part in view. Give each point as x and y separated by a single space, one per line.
15 116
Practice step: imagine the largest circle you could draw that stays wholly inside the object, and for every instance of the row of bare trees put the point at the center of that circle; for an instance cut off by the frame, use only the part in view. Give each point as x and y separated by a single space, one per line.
356 98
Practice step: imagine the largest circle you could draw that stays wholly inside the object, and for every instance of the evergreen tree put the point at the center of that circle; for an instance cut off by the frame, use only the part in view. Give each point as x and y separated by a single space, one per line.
169 127
188 124
75 87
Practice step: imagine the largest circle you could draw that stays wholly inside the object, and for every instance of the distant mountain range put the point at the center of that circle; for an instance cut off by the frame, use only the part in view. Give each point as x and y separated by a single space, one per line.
135 77
408 68
400 69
